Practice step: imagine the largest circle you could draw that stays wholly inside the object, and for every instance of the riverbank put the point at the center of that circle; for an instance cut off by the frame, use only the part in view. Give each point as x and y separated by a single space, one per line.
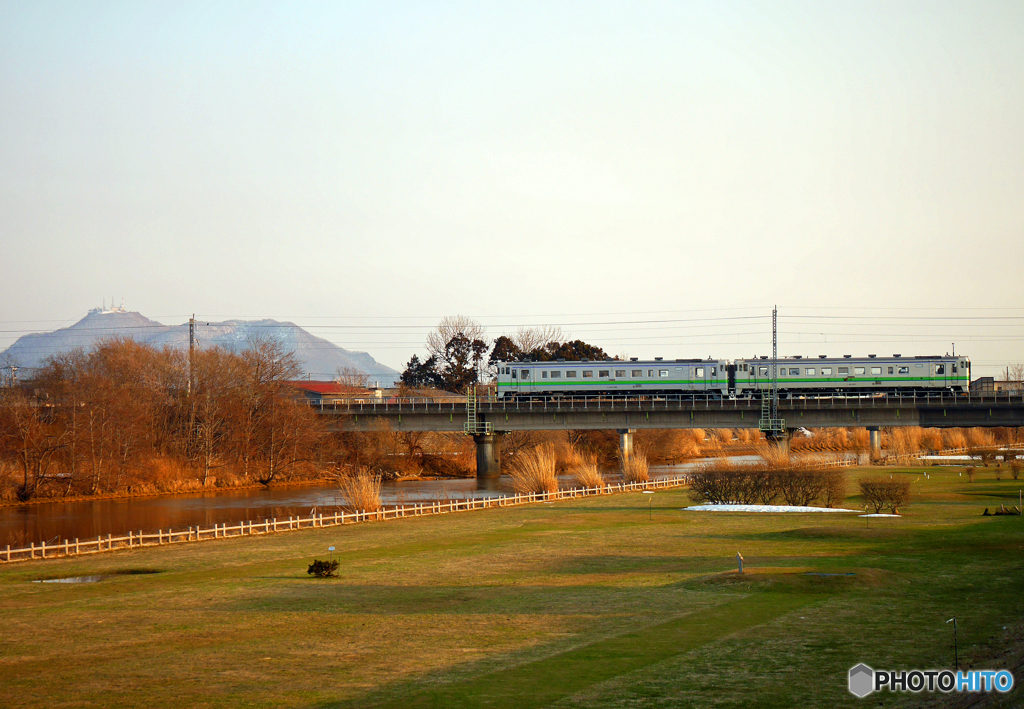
599 602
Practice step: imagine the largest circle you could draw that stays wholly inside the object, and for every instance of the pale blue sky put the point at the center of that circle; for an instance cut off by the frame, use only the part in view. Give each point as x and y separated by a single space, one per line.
522 163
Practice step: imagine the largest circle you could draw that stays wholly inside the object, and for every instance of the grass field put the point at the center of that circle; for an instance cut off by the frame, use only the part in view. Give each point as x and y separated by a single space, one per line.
593 602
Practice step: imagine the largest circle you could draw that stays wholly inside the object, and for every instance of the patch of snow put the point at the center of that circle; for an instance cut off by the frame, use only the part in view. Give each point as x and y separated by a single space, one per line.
879 515
762 508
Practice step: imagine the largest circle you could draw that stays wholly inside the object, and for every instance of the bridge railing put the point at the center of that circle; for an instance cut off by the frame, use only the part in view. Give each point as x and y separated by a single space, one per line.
611 402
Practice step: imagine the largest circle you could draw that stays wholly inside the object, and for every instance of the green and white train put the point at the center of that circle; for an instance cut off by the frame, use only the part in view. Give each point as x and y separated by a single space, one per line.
741 378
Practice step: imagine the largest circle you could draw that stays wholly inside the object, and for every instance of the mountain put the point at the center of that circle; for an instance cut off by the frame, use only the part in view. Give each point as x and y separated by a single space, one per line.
320 359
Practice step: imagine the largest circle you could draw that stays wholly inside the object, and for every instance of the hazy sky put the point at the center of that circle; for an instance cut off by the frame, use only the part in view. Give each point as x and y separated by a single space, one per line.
633 171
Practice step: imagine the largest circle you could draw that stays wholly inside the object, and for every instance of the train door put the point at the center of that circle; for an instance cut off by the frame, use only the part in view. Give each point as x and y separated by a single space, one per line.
731 369
942 374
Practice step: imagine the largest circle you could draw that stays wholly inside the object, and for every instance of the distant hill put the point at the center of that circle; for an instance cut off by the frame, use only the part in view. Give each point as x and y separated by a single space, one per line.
320 359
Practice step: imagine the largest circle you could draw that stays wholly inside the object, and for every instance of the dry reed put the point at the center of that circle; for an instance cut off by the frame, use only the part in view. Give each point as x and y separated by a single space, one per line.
534 471
635 468
361 491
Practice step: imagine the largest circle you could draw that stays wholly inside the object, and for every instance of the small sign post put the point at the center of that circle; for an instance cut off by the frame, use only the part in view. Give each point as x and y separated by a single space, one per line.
739 560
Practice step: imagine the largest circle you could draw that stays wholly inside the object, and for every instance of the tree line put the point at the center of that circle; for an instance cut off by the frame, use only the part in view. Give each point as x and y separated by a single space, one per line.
460 357
90 421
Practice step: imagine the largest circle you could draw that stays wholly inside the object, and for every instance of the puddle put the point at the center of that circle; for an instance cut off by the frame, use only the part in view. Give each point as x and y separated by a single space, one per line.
98 577
74 579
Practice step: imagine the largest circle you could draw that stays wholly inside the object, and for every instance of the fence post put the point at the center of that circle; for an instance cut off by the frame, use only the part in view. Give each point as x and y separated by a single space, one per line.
110 542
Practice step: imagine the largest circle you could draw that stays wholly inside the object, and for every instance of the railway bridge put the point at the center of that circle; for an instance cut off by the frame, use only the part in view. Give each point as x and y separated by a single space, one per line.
487 418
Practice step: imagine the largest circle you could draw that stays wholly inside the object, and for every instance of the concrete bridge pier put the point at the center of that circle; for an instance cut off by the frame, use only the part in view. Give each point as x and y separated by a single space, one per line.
875 440
488 460
626 442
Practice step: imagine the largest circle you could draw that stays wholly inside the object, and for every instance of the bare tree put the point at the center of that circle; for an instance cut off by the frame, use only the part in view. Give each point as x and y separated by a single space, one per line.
529 339
350 377
28 435
452 326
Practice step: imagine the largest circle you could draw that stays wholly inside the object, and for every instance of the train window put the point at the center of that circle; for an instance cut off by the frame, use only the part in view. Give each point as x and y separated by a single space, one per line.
698 372
513 374
858 370
918 365
544 374
602 372
809 371
890 370
826 371
650 372
844 370
570 374
556 375
619 373
764 371
525 374
876 371
637 373
782 371
662 372
794 372
588 373
714 371
954 367
904 370
940 369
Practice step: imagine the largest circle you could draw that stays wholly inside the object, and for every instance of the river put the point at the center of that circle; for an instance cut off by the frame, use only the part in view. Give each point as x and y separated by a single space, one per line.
21 525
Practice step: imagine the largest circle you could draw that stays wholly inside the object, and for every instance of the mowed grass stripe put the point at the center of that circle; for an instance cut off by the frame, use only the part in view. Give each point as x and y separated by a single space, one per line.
542 682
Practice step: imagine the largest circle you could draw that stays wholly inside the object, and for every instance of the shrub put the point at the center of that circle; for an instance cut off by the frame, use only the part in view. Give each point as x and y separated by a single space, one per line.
534 471
882 493
635 468
361 491
323 569
835 487
801 487
970 474
1015 466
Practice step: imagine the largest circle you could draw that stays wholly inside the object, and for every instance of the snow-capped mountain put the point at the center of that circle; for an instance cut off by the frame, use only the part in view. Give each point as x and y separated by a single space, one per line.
320 359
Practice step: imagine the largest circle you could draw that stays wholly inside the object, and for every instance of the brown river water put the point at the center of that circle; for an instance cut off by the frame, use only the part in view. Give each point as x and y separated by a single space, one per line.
21 525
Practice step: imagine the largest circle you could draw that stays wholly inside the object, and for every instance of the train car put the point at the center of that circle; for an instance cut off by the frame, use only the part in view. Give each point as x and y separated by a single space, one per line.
541 380
799 376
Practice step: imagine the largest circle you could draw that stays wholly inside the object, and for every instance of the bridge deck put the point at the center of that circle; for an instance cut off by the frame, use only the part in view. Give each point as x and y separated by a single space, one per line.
611 412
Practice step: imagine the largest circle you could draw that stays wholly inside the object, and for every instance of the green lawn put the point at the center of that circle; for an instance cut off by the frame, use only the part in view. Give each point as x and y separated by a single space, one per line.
582 603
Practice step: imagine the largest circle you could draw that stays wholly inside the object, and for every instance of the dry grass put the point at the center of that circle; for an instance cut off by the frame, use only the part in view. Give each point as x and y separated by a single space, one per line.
904 440
361 491
954 438
534 470
635 468
978 437
774 456
584 470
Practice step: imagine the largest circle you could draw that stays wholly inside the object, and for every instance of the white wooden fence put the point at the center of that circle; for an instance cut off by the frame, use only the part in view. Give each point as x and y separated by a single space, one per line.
271 526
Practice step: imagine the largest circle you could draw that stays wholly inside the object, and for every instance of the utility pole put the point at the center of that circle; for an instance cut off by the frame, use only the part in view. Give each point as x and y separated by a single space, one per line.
775 363
191 349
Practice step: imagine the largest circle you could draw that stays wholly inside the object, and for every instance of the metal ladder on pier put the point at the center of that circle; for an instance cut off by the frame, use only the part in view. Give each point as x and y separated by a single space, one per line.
474 426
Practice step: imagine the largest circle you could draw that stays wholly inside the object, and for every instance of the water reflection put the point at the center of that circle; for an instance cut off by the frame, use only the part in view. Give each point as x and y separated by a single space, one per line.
52 522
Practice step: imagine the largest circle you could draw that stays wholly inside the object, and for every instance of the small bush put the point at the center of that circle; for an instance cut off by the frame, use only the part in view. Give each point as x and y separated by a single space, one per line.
970 472
835 487
635 468
1015 466
534 471
323 569
882 493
